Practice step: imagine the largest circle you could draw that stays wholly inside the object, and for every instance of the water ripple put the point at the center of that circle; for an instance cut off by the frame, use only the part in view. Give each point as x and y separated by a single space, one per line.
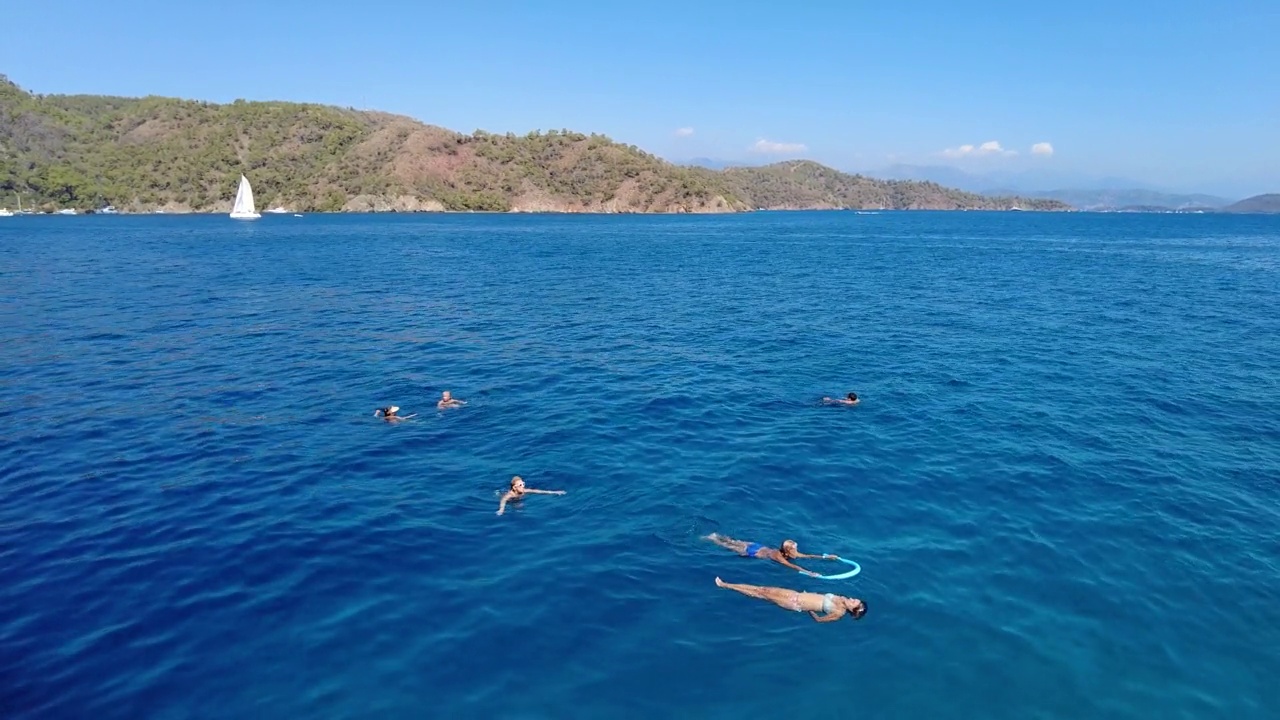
1062 482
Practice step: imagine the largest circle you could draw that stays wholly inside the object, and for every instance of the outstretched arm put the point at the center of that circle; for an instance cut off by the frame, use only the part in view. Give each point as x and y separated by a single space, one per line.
544 492
502 504
794 566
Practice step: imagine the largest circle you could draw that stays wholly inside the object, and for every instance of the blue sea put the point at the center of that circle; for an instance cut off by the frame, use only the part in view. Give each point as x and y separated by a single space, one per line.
1062 483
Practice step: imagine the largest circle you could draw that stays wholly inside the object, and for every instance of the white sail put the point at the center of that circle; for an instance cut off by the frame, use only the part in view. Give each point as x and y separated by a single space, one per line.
244 208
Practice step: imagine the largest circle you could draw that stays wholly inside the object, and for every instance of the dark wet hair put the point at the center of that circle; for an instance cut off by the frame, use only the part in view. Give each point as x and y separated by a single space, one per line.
862 610
852 396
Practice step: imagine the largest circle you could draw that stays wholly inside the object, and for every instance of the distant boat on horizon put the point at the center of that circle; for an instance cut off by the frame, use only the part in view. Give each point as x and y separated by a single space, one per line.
109 210
6 212
67 211
277 211
243 209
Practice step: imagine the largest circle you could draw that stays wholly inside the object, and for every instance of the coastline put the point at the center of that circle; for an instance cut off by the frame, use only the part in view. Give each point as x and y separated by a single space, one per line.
594 213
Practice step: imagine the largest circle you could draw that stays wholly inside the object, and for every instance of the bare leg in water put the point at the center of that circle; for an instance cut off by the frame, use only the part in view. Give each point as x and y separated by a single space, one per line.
781 597
737 546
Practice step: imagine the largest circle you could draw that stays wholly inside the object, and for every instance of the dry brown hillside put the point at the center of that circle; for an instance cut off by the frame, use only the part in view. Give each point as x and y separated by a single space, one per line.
146 153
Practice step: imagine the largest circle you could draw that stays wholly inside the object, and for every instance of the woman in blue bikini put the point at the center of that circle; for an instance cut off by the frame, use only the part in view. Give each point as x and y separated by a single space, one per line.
832 606
785 554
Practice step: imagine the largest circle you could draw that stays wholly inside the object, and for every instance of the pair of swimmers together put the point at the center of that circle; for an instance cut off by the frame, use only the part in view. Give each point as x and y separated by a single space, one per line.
390 412
831 605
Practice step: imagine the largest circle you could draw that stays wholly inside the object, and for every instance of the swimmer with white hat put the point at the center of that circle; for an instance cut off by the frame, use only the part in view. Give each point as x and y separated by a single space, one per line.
388 413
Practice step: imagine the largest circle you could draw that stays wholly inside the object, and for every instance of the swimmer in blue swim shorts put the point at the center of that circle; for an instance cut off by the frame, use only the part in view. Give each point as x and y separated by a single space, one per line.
833 607
784 555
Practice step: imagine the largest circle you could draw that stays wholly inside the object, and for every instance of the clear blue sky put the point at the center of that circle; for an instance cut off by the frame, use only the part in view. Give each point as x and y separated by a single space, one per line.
1182 93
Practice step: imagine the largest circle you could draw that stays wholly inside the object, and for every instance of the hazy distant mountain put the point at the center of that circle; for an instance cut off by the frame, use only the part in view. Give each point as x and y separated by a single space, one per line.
941 174
83 151
712 163
1019 181
1129 198
803 184
1269 203
1078 190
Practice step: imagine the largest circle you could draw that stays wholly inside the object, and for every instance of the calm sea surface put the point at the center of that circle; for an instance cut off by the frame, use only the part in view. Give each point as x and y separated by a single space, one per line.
1063 483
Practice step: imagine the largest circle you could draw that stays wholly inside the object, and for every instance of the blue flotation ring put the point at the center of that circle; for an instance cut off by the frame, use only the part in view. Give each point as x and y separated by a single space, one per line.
844 575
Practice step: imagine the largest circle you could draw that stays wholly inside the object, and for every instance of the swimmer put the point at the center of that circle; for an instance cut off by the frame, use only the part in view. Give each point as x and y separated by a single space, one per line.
785 554
388 413
832 606
447 400
518 490
850 399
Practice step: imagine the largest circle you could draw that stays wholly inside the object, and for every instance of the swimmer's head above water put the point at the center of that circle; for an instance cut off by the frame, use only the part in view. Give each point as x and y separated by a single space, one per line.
387 412
856 607
519 491
790 549
848 399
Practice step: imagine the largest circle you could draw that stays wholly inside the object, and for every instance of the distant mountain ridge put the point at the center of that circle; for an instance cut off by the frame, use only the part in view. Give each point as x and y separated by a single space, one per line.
1100 194
1120 199
1268 203
713 164
140 154
804 184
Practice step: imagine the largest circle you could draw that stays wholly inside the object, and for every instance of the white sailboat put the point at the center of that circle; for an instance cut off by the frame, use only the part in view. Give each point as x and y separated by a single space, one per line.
244 209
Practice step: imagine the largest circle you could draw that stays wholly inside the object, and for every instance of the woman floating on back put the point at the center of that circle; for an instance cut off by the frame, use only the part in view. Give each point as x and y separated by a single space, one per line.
832 606
518 491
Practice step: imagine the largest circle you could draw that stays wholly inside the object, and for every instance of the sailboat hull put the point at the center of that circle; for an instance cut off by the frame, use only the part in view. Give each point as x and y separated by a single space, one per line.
245 216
